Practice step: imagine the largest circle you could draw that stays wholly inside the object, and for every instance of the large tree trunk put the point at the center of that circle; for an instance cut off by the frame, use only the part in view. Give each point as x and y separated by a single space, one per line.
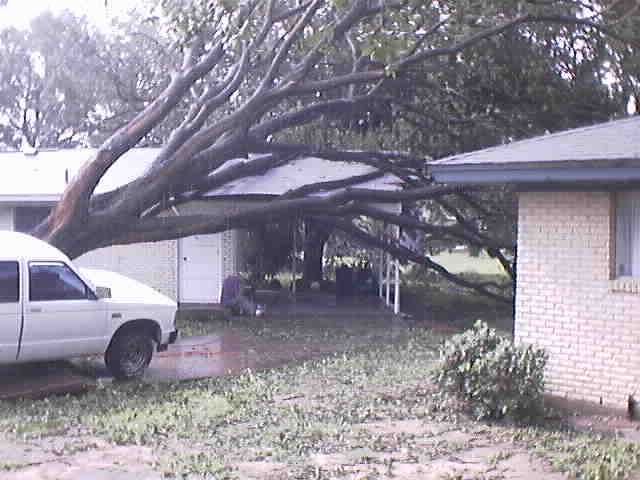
315 238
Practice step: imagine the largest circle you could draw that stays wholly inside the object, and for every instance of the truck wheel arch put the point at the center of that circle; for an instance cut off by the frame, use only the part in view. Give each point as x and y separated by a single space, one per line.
145 324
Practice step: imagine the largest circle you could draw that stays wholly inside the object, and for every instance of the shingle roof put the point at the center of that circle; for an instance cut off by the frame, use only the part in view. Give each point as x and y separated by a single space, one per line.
610 141
300 172
44 176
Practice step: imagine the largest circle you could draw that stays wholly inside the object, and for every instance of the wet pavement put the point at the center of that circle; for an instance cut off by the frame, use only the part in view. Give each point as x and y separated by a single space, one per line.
268 343
38 380
311 327
223 354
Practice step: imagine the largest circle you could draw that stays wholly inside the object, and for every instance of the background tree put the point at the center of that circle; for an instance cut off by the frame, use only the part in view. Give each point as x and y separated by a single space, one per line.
49 88
256 72
79 88
515 85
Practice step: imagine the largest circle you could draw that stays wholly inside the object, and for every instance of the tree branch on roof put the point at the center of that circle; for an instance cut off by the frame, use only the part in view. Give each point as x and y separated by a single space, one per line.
283 66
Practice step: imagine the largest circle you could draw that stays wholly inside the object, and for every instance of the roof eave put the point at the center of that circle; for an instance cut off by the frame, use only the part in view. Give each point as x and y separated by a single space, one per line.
534 174
30 198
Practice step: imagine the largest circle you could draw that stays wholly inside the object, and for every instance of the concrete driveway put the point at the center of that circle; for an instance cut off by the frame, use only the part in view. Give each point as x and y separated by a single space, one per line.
296 332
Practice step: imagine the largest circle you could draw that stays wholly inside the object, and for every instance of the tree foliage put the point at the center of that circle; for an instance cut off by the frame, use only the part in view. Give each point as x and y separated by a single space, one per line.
397 80
74 90
49 88
492 376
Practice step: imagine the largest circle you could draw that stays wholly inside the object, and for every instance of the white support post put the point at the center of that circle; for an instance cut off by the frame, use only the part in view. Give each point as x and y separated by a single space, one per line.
396 296
294 266
381 275
388 282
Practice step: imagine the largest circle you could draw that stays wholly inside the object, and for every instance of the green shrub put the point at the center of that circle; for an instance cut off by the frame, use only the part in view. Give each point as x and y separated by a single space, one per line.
491 376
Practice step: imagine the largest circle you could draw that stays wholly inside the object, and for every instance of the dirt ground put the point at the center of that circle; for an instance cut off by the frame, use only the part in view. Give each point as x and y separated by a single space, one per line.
438 451
365 414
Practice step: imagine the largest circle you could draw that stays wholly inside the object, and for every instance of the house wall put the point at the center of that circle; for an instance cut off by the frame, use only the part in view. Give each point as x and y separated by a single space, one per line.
154 264
567 303
231 251
6 217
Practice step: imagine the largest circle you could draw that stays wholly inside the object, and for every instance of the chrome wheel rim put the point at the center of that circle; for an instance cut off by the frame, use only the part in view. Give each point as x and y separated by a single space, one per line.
134 355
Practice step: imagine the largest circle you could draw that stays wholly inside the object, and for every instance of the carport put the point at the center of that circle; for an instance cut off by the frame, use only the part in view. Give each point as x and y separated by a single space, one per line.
331 176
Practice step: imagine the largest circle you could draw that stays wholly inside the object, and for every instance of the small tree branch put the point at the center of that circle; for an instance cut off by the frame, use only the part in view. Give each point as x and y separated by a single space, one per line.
404 253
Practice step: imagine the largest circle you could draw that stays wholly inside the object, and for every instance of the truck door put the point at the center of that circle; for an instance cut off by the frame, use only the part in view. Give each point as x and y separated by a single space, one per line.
62 316
10 310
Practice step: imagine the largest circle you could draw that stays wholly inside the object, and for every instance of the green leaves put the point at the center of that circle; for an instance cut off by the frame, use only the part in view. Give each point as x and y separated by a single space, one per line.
491 376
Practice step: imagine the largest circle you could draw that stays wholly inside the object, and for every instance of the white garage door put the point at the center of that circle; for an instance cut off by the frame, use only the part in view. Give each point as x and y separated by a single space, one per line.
200 260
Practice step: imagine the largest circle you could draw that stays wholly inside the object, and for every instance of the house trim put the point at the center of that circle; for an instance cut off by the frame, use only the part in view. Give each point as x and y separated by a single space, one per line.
625 285
534 174
20 199
613 212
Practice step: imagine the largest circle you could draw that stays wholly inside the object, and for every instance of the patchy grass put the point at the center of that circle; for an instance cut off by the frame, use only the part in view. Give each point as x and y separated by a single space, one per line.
431 299
582 455
10 466
278 415
369 413
431 303
194 323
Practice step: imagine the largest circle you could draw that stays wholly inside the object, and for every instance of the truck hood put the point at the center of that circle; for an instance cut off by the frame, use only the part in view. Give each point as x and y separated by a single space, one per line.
125 289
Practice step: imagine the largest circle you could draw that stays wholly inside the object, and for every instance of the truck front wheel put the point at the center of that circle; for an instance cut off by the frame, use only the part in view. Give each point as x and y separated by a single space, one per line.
129 354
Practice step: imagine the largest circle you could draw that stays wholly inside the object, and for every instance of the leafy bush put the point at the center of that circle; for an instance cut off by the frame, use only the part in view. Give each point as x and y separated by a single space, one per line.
492 376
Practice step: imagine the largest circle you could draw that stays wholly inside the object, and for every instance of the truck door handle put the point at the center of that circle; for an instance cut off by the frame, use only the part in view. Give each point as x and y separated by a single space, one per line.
36 309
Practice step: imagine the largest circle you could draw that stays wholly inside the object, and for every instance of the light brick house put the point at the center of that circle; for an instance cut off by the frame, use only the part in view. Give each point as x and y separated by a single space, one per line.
578 284
189 270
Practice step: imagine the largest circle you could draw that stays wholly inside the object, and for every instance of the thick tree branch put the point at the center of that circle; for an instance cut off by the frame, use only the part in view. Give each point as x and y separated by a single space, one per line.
73 209
166 228
283 51
331 108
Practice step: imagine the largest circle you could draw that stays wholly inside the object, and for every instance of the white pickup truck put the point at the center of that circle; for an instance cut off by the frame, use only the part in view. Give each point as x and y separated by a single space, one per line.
51 310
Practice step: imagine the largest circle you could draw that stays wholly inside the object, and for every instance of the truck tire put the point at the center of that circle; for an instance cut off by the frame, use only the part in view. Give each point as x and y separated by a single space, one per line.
129 354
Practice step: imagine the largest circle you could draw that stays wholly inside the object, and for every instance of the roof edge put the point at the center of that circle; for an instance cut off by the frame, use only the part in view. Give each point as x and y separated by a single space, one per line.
542 138
534 174
618 162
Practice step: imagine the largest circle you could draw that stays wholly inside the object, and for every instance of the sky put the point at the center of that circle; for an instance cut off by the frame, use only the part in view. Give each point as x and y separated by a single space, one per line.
19 13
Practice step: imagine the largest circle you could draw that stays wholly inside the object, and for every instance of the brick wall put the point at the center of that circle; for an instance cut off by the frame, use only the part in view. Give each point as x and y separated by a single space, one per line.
567 303
6 217
154 264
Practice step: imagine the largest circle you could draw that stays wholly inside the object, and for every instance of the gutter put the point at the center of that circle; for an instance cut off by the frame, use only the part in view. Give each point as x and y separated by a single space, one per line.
530 174
26 198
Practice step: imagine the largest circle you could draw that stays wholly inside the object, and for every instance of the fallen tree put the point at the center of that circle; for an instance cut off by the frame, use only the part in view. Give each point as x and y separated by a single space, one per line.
256 70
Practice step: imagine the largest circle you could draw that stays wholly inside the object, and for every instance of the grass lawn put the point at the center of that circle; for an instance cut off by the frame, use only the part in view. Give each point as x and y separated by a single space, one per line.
369 413
462 262
196 323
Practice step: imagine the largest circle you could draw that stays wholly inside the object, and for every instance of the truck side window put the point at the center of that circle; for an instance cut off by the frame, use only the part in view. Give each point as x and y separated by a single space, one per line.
55 281
9 282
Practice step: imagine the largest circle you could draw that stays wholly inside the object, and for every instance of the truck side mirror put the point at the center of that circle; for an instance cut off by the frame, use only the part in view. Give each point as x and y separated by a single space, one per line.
103 292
